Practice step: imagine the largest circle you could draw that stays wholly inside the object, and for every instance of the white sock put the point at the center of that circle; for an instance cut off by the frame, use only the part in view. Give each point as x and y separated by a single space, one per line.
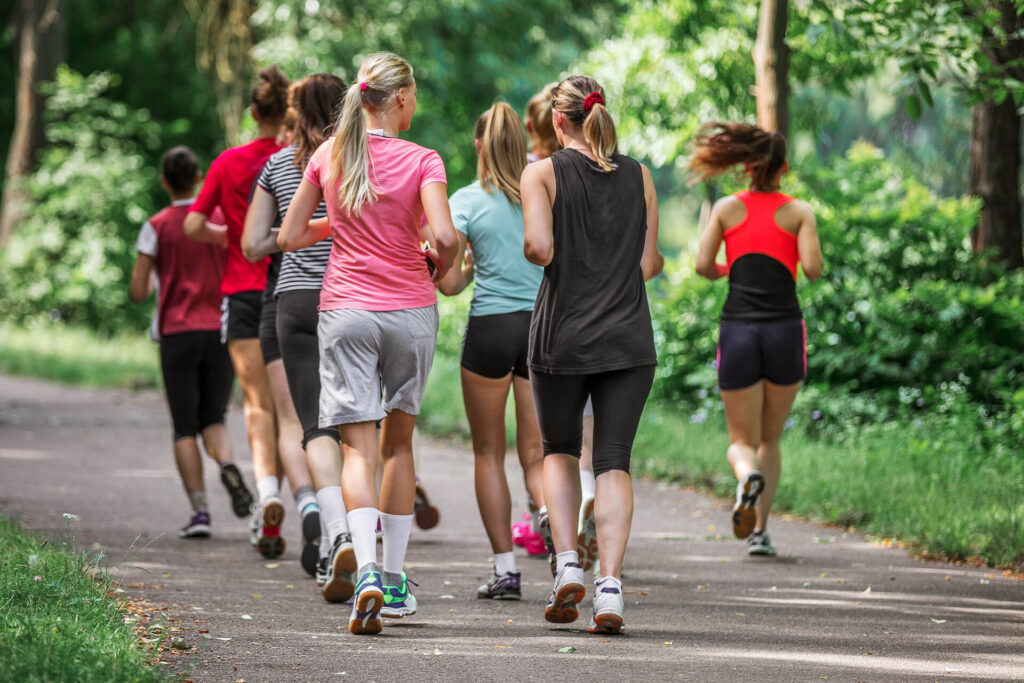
332 512
267 487
326 542
565 558
198 501
304 497
362 523
396 540
609 581
504 563
588 484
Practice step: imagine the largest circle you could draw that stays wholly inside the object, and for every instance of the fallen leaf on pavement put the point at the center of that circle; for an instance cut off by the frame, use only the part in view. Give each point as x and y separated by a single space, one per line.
568 648
939 621
273 565
256 595
437 650
246 616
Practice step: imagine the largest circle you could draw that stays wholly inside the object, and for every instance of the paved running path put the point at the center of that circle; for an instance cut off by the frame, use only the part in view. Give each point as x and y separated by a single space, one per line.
831 607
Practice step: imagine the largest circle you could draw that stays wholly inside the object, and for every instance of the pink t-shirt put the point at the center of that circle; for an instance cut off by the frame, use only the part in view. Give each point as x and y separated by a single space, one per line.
376 263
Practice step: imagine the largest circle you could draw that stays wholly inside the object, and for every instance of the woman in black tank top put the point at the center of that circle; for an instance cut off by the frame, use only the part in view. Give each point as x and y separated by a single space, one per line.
591 218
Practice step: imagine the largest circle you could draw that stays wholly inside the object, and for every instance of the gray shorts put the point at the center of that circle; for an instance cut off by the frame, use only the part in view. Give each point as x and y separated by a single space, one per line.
373 362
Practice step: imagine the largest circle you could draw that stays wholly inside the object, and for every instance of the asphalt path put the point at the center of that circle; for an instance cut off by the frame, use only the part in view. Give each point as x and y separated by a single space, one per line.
832 606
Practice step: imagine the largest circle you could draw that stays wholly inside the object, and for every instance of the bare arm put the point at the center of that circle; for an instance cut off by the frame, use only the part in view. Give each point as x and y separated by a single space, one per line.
445 249
538 229
652 262
297 231
142 279
258 240
710 242
809 247
198 227
461 274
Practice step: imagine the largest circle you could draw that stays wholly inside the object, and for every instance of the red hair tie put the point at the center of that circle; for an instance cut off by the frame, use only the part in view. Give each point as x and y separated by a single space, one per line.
592 99
362 85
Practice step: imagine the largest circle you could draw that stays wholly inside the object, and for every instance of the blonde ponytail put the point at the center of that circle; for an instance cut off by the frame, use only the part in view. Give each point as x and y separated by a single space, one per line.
502 151
381 76
581 100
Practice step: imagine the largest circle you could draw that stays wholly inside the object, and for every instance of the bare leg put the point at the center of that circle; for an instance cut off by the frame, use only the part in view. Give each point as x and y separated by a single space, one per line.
190 464
743 409
289 429
528 441
398 484
359 471
258 406
323 455
562 494
613 509
217 442
778 400
587 449
485 398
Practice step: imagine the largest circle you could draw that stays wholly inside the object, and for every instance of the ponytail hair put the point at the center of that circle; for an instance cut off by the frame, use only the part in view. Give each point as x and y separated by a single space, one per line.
538 113
581 100
719 146
270 96
314 101
381 76
502 150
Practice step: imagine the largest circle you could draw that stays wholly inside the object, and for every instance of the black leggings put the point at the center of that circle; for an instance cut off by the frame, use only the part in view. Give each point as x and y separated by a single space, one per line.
297 320
198 376
618 396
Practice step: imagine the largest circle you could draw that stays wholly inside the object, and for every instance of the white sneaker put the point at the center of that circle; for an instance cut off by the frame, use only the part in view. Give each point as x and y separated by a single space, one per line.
608 607
567 592
586 541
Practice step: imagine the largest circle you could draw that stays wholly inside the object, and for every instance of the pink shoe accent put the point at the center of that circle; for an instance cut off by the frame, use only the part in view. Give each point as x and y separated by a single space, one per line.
534 544
520 530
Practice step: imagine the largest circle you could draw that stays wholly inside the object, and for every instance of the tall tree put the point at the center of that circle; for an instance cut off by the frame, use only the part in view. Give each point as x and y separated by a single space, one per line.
771 67
40 40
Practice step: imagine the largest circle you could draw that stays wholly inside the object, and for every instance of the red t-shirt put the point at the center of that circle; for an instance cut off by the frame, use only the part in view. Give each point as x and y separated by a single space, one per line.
228 185
189 273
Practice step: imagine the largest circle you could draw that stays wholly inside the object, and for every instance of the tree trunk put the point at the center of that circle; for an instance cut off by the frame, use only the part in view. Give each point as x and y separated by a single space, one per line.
40 38
771 66
995 179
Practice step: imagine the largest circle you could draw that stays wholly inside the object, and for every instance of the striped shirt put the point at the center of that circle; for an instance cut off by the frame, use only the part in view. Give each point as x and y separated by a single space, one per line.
302 269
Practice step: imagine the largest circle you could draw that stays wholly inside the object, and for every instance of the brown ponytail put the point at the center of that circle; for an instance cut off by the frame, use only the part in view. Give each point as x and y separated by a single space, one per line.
718 146
502 150
574 99
270 97
542 130
315 100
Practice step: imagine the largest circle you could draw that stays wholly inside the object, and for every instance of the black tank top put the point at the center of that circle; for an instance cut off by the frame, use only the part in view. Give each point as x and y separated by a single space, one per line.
591 314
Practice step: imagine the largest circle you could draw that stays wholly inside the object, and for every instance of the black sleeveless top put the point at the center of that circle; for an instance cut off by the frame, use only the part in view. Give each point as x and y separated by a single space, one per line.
591 313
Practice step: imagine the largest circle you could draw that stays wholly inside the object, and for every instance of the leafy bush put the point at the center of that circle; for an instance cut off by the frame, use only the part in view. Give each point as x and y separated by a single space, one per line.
72 256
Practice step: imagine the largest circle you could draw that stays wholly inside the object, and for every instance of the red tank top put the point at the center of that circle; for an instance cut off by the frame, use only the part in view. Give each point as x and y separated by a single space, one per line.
758 233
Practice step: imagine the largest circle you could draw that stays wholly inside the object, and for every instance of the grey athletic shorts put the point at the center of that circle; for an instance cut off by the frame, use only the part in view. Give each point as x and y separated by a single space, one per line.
373 362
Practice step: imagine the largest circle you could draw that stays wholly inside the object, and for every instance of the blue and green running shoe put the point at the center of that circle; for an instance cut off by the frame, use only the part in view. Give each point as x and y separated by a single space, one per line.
399 600
367 604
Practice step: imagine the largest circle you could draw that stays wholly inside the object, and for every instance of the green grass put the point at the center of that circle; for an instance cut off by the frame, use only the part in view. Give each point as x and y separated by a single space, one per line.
57 622
76 356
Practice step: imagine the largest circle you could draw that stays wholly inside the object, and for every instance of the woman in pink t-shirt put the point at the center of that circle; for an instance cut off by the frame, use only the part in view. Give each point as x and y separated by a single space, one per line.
378 312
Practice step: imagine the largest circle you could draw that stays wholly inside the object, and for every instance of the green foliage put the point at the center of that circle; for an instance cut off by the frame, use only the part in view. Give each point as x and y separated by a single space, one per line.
57 621
72 256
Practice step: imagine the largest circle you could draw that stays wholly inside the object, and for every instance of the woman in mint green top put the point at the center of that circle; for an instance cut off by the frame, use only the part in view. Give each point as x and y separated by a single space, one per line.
488 215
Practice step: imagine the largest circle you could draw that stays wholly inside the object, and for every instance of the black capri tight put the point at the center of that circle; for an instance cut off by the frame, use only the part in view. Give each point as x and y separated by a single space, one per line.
297 320
198 376
618 397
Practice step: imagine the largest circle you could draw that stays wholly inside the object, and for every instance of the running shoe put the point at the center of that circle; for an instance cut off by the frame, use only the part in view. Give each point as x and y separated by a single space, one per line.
586 541
254 525
565 595
427 515
322 569
310 540
339 570
269 542
607 617
744 512
501 587
241 498
524 536
398 600
197 527
549 543
760 544
369 599
521 529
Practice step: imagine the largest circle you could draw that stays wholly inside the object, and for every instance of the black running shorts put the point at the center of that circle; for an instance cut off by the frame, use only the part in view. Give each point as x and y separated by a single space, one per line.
496 345
198 376
268 332
240 315
775 350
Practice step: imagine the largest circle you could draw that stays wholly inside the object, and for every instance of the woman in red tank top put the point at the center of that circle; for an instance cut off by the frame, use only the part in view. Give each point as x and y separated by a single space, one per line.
762 356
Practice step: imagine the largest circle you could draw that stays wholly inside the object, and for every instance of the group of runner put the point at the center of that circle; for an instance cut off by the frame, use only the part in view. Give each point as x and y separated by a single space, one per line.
308 266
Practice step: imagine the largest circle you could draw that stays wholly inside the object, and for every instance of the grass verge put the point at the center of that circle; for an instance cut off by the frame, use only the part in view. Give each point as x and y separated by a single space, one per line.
57 622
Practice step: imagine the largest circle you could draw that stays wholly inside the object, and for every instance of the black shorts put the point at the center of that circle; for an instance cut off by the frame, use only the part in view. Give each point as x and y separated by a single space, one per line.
618 397
775 350
197 378
496 345
240 315
268 332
